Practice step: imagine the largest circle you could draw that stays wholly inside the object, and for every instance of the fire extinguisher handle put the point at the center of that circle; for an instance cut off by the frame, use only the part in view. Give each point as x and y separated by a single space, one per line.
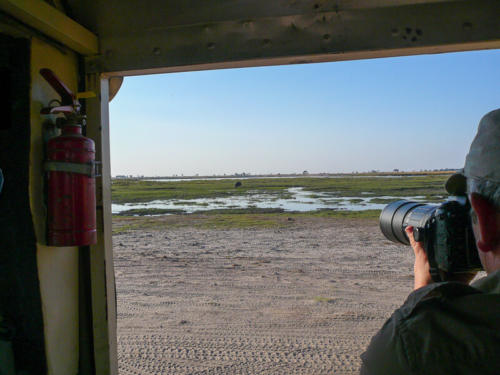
67 96
59 109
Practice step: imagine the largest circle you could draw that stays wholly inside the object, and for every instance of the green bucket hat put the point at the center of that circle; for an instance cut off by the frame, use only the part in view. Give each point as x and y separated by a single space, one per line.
483 160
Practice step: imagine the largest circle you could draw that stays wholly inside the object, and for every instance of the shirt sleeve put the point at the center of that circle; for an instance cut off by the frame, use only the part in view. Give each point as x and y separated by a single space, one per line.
387 352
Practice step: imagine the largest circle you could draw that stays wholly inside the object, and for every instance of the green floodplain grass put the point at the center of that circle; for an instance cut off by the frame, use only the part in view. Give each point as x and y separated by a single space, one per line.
429 186
135 191
231 220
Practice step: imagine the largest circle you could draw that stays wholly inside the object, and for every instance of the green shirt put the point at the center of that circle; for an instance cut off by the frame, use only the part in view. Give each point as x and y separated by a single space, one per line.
442 328
5 329
6 354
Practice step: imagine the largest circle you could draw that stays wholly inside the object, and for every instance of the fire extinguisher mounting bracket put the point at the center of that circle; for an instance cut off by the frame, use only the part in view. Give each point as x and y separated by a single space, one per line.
68 104
88 169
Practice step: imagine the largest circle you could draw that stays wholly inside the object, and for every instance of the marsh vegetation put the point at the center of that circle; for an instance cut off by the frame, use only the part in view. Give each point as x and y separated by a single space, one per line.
135 191
266 202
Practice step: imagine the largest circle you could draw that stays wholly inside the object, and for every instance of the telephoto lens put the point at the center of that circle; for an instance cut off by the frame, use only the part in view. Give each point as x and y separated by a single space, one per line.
395 217
444 229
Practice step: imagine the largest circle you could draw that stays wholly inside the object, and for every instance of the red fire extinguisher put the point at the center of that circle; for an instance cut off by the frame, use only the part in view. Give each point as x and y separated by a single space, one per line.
70 167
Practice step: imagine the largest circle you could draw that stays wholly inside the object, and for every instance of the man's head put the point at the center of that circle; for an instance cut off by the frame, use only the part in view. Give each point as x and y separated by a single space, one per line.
482 171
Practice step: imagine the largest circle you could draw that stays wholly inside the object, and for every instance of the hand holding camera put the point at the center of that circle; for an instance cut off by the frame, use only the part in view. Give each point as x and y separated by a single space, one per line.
440 235
421 267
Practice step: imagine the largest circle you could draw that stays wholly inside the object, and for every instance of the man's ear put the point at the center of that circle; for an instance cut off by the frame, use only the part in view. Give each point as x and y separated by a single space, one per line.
486 221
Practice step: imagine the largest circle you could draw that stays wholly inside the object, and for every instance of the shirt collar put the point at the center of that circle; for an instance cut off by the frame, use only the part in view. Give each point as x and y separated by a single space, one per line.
489 284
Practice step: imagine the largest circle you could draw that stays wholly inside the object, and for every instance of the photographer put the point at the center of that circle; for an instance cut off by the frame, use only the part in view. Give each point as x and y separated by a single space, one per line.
452 327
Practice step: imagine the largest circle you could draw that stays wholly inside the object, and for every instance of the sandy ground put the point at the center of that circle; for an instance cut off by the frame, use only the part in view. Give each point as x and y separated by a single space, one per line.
301 300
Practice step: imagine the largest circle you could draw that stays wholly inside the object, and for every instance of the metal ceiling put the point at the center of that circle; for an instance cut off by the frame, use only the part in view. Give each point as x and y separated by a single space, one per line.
137 37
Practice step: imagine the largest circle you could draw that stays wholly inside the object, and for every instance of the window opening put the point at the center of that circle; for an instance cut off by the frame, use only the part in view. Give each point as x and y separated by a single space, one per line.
246 204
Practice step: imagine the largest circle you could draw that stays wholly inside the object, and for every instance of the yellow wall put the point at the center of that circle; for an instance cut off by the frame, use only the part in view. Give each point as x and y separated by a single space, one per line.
57 266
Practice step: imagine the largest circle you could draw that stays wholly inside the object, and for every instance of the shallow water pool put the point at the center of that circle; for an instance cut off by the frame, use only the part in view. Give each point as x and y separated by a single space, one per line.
298 200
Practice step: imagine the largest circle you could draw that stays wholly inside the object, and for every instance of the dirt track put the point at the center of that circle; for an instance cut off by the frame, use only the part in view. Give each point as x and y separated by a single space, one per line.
300 300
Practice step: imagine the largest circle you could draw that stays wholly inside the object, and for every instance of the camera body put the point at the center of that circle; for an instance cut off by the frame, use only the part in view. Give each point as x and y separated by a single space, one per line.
445 230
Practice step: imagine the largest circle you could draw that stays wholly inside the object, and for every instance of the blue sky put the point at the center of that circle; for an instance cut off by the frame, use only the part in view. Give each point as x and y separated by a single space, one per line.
410 113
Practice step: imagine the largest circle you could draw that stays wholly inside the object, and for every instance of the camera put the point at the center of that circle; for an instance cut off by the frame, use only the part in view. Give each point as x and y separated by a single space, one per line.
445 230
